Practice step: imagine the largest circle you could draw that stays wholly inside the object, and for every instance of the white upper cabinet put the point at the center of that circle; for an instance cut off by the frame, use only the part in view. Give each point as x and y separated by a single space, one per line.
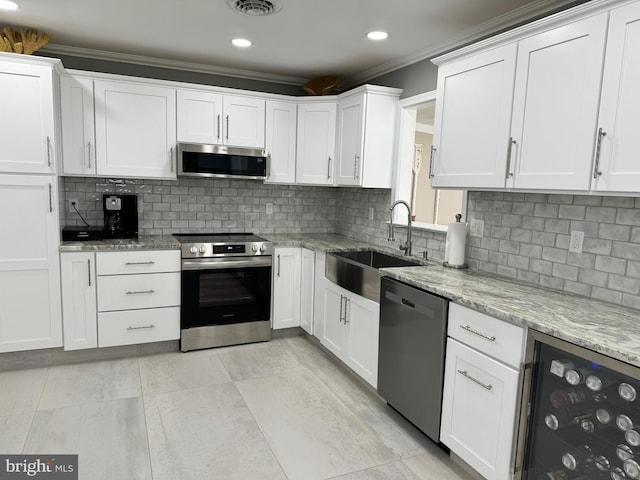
548 106
280 141
617 169
366 129
555 106
472 121
78 126
315 158
217 119
135 130
27 118
199 117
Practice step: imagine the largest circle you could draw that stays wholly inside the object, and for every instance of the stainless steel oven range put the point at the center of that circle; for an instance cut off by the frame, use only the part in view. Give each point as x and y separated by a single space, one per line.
226 290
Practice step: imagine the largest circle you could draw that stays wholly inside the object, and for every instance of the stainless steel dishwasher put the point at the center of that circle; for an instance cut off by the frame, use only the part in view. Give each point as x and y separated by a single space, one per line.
413 332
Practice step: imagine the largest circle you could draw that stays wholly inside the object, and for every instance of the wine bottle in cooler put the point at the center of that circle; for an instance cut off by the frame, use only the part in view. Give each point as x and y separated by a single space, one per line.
568 396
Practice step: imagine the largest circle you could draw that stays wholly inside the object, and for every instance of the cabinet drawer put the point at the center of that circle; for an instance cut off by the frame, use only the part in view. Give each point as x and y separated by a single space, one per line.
494 337
138 326
144 261
126 292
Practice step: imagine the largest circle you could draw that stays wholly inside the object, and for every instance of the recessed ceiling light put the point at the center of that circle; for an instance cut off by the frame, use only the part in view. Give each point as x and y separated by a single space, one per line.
241 42
377 35
8 5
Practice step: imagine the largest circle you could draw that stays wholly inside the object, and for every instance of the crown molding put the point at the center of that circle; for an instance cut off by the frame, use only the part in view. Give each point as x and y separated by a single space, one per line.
171 64
515 17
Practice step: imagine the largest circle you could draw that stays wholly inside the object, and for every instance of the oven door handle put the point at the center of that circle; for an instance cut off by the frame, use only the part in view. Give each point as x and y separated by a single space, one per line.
214 264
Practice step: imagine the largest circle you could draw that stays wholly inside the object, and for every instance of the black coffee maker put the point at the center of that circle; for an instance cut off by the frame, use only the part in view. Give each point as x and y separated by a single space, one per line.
120 216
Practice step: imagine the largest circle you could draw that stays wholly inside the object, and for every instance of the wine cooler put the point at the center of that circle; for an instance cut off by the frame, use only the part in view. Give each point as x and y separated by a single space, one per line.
580 416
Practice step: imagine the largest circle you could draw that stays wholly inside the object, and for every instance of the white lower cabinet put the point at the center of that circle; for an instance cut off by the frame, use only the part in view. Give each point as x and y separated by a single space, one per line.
138 297
286 288
79 301
350 329
481 392
30 310
307 284
120 298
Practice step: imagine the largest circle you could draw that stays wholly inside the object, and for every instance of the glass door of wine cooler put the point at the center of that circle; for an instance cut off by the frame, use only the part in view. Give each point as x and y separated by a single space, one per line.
580 418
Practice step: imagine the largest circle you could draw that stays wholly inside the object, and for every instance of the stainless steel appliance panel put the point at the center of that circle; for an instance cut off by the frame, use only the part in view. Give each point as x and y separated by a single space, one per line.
413 332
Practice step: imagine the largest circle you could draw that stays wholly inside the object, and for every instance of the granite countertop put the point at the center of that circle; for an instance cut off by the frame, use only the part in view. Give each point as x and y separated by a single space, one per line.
151 242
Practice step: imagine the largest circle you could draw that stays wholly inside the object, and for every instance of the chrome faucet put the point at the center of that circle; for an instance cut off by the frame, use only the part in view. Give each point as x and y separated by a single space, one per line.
407 246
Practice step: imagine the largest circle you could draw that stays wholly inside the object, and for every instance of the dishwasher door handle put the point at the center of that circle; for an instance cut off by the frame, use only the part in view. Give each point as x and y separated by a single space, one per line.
408 303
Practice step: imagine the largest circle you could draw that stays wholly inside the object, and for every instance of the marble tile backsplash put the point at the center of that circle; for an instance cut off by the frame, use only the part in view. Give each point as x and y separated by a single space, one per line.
206 205
526 237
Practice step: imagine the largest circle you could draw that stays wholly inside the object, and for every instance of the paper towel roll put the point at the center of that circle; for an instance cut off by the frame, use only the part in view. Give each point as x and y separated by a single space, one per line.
455 244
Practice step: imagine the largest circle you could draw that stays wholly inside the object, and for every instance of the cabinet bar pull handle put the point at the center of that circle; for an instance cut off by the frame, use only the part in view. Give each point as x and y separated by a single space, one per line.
433 151
151 262
141 292
50 198
218 127
49 151
89 155
512 142
355 167
141 328
278 265
268 164
464 373
340 317
475 332
89 269
329 169
596 166
227 134
171 158
346 303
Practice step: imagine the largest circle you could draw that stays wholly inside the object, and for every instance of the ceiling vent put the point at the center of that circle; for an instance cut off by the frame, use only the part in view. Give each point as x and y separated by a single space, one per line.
256 8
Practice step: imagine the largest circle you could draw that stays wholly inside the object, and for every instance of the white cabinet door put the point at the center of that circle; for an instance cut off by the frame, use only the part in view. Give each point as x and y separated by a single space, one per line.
618 169
307 285
27 132
286 288
335 334
280 142
363 319
472 121
79 307
199 117
30 309
243 124
315 152
78 127
555 105
351 115
135 130
479 410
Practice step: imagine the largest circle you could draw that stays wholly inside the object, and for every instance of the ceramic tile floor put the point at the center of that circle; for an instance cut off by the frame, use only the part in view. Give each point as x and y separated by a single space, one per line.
277 410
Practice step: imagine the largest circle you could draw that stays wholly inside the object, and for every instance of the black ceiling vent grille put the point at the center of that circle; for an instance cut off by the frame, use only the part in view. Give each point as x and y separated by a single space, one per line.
256 8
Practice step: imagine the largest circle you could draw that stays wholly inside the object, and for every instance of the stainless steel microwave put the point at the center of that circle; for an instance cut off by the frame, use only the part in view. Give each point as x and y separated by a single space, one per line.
200 160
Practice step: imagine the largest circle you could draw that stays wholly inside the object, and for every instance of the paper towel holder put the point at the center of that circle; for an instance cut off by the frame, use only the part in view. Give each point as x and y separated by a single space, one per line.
458 267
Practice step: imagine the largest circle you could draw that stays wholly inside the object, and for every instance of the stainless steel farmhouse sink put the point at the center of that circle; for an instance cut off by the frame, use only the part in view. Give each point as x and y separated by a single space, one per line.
359 272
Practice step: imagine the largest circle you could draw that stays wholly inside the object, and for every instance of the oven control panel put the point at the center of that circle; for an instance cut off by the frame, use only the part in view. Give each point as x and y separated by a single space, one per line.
199 250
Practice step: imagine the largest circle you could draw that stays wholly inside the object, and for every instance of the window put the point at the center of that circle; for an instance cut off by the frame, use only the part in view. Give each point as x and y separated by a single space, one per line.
432 209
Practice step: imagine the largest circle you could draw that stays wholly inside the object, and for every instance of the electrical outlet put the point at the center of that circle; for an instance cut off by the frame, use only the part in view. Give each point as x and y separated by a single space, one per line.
371 213
476 227
577 239
269 208
72 202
